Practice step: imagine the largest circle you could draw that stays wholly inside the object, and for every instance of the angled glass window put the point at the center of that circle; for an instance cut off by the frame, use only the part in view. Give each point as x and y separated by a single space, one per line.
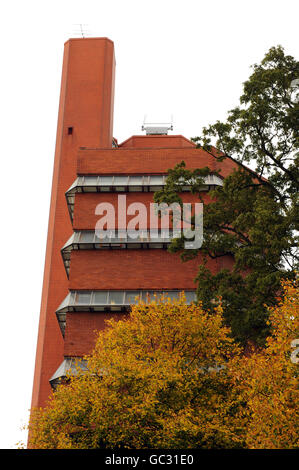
132 297
135 181
190 296
157 180
120 180
100 297
86 237
111 301
70 366
120 239
90 180
127 183
66 302
82 298
89 184
172 294
120 183
116 297
105 180
150 296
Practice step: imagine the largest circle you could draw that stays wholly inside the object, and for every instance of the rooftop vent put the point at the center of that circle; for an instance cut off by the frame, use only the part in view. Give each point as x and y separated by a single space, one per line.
157 128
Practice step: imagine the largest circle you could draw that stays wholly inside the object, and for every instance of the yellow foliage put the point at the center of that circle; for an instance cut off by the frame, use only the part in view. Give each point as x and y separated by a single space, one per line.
267 380
170 376
151 382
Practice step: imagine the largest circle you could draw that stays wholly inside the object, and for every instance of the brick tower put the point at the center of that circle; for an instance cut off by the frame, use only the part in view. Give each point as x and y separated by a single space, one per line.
86 279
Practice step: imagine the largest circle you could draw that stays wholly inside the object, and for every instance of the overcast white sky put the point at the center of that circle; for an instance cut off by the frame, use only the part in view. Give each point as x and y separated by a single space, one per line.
186 59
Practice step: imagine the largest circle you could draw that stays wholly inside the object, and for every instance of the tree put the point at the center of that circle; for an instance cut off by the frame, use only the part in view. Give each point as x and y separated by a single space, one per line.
254 216
154 380
170 376
267 380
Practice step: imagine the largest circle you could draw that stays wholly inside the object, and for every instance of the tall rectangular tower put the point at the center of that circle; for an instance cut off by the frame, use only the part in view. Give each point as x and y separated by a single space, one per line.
85 117
88 279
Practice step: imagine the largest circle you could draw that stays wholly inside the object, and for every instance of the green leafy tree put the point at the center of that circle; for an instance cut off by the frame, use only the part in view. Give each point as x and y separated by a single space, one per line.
253 218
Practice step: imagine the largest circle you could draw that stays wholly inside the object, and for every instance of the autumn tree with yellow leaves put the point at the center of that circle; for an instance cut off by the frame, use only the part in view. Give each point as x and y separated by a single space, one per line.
171 376
267 380
152 382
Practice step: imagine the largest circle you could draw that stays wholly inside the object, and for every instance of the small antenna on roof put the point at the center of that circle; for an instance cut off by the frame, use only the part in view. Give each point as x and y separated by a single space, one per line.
81 30
157 128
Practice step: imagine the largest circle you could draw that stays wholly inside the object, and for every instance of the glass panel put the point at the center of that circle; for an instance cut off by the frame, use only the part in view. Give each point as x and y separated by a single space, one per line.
157 179
213 179
86 237
100 298
83 298
69 242
142 236
65 303
90 180
120 180
104 236
166 233
155 237
116 297
121 235
144 296
105 180
130 297
72 298
115 240
190 296
157 296
135 180
75 183
173 294
148 296
101 235
76 237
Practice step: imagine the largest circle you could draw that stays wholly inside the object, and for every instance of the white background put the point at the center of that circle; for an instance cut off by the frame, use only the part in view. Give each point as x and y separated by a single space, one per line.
186 59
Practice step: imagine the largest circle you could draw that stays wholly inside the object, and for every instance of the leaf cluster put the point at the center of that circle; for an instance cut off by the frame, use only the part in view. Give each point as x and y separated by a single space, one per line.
250 225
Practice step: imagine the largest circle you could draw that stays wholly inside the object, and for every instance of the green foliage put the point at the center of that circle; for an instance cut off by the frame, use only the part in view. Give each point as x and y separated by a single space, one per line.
264 129
253 218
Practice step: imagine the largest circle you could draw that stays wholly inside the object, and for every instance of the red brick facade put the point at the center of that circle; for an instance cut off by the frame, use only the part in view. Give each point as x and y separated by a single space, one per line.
81 329
84 147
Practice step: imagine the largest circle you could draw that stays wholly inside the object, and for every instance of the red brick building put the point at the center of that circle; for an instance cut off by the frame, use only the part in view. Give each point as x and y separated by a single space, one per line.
87 280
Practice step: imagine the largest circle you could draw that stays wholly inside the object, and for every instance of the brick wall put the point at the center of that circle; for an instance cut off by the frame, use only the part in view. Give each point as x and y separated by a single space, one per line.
82 329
